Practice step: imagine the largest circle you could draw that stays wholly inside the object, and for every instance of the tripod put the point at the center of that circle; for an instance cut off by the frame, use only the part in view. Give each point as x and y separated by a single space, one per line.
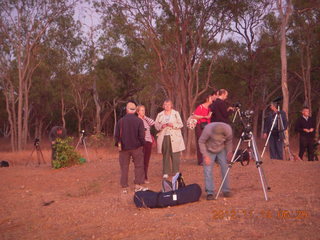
277 119
238 112
39 152
82 140
247 137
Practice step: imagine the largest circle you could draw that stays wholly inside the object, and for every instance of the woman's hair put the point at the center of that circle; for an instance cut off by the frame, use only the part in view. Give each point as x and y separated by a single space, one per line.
205 98
139 107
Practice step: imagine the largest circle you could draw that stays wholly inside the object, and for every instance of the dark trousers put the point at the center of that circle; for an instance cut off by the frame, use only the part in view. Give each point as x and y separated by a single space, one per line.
167 155
306 142
124 160
53 153
276 147
198 132
147 148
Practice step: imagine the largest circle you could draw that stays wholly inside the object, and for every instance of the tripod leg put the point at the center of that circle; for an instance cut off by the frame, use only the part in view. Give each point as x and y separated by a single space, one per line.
230 165
258 164
267 141
80 140
85 148
41 155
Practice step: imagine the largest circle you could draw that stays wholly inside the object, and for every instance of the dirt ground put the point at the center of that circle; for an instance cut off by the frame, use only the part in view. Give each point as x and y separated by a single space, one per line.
85 202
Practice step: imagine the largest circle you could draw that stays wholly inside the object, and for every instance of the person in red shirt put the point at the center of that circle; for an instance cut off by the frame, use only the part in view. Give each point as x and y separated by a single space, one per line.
203 115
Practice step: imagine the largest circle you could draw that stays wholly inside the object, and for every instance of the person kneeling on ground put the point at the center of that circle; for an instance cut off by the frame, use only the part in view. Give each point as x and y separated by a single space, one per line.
215 144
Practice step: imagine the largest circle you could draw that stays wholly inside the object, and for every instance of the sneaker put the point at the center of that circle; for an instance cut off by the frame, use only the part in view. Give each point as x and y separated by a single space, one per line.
165 175
210 197
139 188
227 194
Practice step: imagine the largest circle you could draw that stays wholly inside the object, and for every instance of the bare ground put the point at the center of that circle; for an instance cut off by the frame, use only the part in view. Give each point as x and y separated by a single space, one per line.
85 202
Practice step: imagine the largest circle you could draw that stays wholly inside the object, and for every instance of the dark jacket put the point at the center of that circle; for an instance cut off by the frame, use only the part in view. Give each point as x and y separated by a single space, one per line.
130 132
302 123
277 128
219 109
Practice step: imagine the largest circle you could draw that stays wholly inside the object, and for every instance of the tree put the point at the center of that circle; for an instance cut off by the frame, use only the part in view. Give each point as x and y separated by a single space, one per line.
23 25
285 9
180 35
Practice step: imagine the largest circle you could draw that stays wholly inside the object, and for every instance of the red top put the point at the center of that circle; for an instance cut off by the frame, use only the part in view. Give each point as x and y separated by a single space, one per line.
202 111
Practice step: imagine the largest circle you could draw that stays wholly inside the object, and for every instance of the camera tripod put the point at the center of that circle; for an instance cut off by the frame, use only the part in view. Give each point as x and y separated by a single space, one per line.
276 120
82 140
247 136
37 147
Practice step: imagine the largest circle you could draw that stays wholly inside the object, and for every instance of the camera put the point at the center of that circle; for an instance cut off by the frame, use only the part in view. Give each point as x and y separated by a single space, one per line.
236 105
83 133
36 142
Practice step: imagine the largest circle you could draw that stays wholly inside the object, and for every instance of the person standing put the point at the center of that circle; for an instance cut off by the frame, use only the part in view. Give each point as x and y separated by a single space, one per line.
130 138
277 132
305 125
169 140
203 115
147 147
216 146
219 108
55 133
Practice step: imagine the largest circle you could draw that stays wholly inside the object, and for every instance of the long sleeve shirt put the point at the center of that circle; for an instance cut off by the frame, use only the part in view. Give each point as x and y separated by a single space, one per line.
215 137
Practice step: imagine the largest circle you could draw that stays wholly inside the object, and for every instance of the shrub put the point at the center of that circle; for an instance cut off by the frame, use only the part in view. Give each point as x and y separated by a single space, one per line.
65 156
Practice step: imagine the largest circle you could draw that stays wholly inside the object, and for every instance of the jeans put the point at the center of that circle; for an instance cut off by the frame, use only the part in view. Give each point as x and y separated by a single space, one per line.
221 158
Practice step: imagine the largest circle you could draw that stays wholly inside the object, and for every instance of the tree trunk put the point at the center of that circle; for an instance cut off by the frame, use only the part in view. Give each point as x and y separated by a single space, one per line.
284 77
98 108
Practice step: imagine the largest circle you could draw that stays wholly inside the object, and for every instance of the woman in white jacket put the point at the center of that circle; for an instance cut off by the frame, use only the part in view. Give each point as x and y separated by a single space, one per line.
169 140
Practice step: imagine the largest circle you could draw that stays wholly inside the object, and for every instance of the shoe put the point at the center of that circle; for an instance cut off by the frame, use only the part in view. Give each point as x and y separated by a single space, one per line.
227 194
210 197
124 190
139 188
146 181
165 175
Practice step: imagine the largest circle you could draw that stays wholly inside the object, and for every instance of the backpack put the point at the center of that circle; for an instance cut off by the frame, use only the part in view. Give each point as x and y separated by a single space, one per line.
177 182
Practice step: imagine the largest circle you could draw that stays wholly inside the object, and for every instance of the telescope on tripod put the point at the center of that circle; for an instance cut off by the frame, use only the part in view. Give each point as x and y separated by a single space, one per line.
250 152
82 140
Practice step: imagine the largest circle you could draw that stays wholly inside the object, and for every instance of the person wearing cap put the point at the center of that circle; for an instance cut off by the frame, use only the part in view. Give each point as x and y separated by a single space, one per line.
305 126
130 138
55 133
277 132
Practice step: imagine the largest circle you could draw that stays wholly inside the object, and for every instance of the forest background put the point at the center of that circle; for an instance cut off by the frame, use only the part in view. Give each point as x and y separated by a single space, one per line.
76 64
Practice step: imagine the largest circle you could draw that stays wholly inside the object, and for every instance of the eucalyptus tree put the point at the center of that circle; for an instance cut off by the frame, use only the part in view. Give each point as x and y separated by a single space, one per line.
23 27
179 34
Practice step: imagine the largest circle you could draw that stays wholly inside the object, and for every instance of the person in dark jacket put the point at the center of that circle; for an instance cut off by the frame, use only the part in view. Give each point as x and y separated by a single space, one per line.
130 138
219 108
277 132
55 133
305 125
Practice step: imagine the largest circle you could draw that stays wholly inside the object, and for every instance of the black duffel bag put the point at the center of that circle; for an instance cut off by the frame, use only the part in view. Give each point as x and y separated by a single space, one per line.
150 199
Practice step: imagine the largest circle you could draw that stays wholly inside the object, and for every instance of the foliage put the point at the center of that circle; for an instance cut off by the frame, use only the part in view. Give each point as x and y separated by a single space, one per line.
66 156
